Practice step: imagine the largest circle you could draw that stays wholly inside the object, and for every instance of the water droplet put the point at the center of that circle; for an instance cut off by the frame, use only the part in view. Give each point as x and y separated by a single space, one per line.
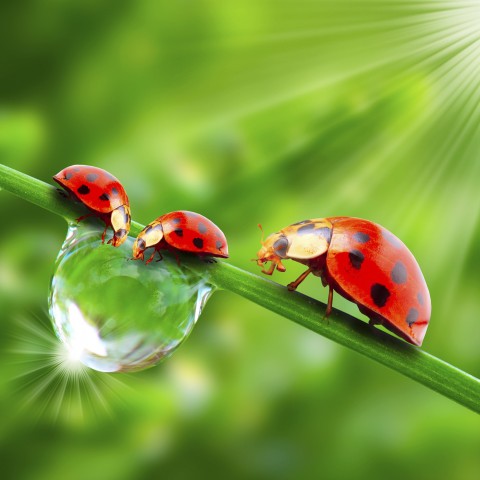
116 314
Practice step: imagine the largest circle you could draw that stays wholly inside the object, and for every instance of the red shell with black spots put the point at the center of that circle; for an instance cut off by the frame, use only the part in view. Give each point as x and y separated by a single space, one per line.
97 189
192 232
363 262
101 193
373 267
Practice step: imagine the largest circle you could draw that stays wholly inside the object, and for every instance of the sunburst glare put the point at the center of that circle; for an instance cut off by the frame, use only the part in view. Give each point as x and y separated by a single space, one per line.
52 380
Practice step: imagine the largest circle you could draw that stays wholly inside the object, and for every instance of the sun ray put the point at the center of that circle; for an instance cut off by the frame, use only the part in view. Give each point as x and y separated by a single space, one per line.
406 48
432 170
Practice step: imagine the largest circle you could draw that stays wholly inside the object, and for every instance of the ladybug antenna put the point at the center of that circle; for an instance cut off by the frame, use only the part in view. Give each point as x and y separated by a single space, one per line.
263 233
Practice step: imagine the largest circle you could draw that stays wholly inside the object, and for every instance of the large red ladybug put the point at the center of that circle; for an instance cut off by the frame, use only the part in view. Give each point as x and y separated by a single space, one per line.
182 230
101 193
363 262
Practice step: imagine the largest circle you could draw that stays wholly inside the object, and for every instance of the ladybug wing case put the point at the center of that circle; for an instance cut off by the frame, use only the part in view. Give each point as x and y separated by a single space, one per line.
373 268
96 188
192 232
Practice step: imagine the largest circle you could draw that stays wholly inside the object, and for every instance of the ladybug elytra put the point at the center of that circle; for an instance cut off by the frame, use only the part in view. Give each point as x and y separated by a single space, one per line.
102 194
364 263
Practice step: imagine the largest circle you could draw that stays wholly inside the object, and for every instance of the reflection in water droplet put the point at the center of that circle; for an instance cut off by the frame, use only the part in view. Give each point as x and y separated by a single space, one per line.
116 314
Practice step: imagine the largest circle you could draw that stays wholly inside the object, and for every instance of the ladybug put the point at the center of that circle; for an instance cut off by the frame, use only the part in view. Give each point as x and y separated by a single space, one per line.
101 193
364 263
182 230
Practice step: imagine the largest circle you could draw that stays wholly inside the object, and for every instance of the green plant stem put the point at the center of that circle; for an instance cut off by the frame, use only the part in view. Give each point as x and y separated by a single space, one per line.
340 327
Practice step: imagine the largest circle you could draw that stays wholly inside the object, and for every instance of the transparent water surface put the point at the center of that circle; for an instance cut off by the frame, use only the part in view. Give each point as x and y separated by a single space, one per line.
116 314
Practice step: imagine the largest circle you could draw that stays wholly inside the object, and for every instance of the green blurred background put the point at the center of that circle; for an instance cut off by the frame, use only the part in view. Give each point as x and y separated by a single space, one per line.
248 112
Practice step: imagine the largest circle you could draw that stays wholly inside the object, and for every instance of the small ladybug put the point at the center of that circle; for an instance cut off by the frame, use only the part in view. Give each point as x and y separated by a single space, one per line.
101 193
363 262
182 230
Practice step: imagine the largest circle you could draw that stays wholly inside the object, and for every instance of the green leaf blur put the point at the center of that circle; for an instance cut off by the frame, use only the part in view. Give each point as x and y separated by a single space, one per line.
247 112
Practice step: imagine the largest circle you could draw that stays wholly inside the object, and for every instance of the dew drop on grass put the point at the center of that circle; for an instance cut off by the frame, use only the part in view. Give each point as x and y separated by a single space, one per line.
120 315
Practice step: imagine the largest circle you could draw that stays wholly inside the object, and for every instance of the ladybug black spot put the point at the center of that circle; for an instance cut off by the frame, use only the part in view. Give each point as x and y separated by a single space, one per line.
202 228
324 232
379 294
104 197
218 244
68 176
303 222
120 233
399 273
361 237
179 232
280 247
356 259
83 190
391 238
412 316
420 298
306 229
198 242
91 177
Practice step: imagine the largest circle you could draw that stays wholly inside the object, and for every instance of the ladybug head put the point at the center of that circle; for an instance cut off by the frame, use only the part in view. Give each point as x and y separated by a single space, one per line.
150 236
120 219
139 248
274 249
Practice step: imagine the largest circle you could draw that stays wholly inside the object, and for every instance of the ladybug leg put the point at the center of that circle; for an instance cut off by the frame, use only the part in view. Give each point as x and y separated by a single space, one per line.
83 217
270 270
160 255
105 233
112 241
62 192
152 256
209 260
293 285
177 258
374 321
171 250
328 311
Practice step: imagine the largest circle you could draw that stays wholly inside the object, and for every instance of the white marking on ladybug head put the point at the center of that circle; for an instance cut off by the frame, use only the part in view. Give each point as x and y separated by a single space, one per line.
152 235
120 219
305 247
